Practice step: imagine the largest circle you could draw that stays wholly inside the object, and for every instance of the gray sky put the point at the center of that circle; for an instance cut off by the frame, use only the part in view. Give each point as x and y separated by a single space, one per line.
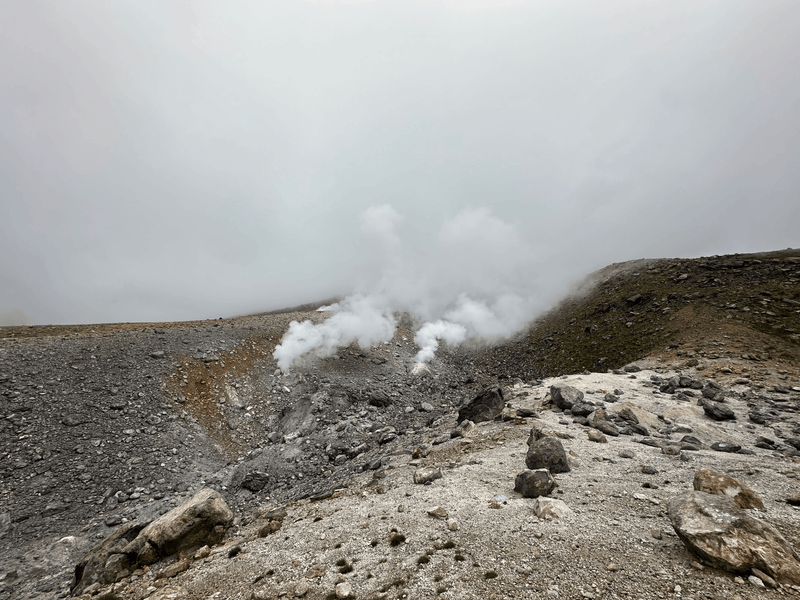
178 160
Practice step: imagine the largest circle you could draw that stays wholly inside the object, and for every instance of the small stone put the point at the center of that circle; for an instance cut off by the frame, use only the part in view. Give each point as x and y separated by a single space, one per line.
301 589
756 581
344 590
438 512
768 581
626 454
315 571
656 534
612 567
452 525
427 475
594 435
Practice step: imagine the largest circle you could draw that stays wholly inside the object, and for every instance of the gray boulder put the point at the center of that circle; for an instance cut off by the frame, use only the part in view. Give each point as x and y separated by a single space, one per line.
106 562
485 406
547 453
200 521
564 396
726 537
717 411
535 483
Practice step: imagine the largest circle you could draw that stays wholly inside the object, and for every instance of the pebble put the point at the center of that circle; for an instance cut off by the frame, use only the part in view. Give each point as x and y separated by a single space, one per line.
344 590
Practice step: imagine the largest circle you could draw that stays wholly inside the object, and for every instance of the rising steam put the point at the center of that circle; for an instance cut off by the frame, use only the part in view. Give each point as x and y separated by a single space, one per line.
474 280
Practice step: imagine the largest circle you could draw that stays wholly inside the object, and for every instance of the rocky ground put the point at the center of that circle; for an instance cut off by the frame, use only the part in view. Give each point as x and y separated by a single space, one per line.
112 424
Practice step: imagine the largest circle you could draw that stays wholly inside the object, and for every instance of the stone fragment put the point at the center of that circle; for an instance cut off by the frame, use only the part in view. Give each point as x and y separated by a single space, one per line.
534 483
564 396
607 427
547 453
719 484
255 481
427 475
464 429
596 436
725 447
550 509
717 411
438 512
344 589
314 571
726 537
484 407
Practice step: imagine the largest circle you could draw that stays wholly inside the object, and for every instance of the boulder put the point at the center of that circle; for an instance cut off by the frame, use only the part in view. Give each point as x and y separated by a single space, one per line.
485 406
719 484
564 396
199 521
726 537
534 483
106 561
547 453
717 411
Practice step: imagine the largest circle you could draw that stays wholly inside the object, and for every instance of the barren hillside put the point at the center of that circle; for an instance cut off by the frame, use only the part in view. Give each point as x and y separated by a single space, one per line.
109 425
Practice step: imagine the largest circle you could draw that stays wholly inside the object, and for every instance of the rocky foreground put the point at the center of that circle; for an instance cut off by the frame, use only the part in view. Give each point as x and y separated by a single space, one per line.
107 430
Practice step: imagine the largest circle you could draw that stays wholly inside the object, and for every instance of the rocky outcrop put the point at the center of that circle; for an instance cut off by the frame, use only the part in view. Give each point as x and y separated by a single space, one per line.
719 484
200 521
485 406
724 536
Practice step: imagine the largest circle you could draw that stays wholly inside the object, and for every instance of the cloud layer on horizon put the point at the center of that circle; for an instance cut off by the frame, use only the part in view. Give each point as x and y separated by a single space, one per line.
170 161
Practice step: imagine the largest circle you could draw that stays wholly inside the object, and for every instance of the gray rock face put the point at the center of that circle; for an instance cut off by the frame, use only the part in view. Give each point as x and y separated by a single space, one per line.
485 406
547 453
535 483
725 537
564 396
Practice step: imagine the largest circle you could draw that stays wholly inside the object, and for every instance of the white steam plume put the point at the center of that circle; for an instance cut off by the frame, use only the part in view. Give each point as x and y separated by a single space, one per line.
429 334
359 319
474 279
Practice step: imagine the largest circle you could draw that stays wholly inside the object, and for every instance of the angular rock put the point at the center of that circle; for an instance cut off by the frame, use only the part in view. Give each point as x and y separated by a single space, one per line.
717 411
596 436
199 521
255 481
91 568
582 410
550 509
485 406
464 429
725 447
547 453
564 396
726 537
719 484
607 427
534 483
427 474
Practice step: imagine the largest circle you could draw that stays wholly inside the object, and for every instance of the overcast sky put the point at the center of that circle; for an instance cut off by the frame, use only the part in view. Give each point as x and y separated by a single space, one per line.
179 160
